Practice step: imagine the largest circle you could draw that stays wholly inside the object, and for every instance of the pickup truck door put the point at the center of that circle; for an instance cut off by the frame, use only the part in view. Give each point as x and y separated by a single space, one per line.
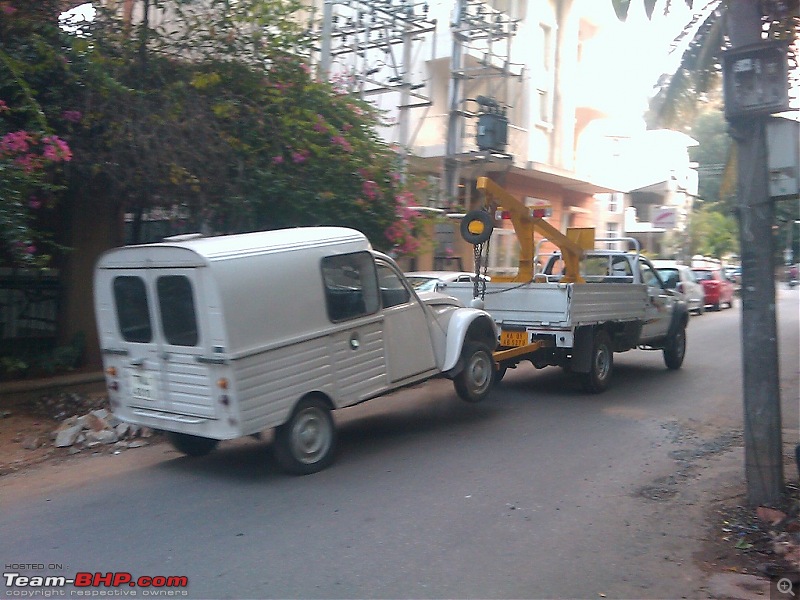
406 333
658 313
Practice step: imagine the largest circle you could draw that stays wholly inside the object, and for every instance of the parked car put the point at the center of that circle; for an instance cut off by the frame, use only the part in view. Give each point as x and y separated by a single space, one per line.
719 290
682 279
436 281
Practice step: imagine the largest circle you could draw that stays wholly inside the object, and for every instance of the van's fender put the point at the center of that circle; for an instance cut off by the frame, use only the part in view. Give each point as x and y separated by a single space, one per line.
467 324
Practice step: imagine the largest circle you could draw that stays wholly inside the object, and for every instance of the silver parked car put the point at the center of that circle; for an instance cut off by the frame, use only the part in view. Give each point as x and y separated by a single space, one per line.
681 278
436 281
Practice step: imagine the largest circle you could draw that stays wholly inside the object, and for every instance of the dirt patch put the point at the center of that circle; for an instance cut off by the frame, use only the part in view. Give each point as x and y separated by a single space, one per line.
28 426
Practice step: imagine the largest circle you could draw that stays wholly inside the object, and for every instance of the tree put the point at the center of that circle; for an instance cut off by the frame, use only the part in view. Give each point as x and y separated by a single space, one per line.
213 116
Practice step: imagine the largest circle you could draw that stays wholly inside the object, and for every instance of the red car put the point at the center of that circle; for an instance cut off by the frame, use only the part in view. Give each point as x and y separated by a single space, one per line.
717 288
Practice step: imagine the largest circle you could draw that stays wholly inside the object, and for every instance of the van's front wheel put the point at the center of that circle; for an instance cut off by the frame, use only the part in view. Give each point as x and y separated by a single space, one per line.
306 442
193 445
474 381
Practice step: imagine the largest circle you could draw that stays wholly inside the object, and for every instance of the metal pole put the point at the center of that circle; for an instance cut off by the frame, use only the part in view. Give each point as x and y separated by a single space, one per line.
454 119
325 47
761 389
405 100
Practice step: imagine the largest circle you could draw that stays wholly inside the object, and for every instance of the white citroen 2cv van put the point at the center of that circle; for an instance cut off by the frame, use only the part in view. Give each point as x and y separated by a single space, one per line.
215 338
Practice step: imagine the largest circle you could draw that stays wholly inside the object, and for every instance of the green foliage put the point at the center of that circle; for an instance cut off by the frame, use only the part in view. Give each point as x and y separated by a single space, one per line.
712 233
33 74
206 107
35 362
217 113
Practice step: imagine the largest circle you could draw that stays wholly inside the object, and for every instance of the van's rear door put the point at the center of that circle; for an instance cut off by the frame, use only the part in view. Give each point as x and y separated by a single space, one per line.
162 337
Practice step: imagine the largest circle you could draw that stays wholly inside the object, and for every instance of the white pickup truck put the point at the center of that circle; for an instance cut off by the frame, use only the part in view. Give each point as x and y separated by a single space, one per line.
583 305
622 305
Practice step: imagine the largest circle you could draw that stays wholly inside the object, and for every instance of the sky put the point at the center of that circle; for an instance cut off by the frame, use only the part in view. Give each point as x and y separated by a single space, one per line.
638 52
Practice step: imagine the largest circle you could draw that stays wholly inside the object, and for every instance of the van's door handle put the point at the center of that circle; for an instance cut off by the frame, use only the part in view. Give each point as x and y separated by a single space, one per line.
354 341
137 362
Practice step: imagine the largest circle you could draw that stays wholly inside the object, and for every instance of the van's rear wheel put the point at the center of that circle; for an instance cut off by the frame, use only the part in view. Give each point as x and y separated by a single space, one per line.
599 375
306 442
193 445
475 379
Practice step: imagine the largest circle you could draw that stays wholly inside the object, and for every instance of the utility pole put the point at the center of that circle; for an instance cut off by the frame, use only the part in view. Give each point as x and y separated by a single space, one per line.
755 211
454 100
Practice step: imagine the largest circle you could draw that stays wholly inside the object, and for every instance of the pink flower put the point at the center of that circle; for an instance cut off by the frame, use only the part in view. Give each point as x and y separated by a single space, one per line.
9 10
299 157
319 125
16 141
370 189
338 140
35 203
277 160
56 149
31 249
73 116
4 107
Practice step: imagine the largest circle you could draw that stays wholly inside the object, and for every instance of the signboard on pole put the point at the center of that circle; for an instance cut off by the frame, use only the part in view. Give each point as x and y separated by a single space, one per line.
756 80
783 157
665 217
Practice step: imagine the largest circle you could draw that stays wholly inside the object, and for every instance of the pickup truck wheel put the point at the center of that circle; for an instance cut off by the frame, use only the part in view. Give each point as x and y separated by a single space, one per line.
475 379
306 442
675 349
599 375
499 374
191 445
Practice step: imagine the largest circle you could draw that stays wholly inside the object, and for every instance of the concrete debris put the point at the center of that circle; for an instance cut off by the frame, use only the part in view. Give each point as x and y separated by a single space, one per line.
99 428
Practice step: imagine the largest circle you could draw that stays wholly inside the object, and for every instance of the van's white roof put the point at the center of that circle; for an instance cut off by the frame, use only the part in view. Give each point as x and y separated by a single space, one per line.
199 251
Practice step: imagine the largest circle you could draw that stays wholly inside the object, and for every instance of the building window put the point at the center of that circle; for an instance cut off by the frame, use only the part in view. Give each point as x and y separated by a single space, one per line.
615 202
612 231
546 41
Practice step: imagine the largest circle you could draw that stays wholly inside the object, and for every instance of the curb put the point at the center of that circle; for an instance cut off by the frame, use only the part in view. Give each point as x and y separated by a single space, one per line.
63 381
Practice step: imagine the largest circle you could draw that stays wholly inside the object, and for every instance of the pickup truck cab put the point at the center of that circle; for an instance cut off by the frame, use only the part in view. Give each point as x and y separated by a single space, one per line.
216 338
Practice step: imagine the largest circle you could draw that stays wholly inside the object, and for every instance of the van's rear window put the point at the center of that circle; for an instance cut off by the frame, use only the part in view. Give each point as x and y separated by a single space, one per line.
133 313
178 317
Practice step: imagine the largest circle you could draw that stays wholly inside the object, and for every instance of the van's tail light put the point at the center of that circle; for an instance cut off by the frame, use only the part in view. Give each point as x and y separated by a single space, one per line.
222 383
112 384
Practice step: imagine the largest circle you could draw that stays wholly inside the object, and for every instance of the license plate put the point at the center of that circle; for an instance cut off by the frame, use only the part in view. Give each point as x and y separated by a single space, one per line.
143 385
514 338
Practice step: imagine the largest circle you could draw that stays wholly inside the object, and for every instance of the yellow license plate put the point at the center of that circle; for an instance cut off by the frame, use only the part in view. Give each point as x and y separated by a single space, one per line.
514 338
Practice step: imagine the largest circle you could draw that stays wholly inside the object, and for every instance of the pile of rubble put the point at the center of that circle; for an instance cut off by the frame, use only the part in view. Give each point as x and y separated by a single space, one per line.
768 538
85 423
99 428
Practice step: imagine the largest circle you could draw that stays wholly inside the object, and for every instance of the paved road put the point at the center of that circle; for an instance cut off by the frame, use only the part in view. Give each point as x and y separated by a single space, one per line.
540 492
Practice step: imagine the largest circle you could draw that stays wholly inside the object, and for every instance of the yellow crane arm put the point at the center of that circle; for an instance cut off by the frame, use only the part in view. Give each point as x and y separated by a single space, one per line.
526 221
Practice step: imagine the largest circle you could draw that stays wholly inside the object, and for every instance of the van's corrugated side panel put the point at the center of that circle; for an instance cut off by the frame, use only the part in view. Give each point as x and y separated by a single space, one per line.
269 384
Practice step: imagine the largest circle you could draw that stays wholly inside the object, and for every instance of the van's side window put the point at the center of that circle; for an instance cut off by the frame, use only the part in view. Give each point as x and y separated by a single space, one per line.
178 317
351 286
393 292
133 313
